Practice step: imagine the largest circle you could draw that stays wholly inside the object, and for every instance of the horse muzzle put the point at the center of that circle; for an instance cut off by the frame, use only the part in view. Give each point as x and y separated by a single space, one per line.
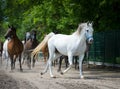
7 37
90 40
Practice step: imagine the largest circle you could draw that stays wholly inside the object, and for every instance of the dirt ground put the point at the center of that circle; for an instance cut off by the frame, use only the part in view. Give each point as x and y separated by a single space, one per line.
95 78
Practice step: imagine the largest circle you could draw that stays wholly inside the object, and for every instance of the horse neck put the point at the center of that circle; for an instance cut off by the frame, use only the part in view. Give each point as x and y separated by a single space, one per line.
15 38
80 36
35 42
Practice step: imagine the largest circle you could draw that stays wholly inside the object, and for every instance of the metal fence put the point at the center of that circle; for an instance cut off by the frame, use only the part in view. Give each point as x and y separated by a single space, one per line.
106 48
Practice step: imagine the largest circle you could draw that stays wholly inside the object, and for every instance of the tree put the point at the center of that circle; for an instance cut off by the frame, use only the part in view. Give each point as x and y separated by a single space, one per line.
62 16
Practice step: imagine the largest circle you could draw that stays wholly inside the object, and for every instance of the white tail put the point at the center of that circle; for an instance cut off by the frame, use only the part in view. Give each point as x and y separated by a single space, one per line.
42 44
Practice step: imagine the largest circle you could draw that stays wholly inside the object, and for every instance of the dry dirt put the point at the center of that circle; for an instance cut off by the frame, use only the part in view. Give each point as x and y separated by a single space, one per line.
98 78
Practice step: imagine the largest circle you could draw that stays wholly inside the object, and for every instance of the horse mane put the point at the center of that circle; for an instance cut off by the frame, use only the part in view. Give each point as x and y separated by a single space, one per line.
79 29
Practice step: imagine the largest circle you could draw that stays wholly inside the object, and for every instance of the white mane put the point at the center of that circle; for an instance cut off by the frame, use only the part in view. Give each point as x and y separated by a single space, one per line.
79 29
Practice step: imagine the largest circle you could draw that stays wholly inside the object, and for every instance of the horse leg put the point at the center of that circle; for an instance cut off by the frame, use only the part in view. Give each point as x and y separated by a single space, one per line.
75 58
23 59
49 64
23 55
12 62
28 61
66 61
46 68
60 63
1 57
70 57
80 65
44 55
7 60
53 57
33 65
20 63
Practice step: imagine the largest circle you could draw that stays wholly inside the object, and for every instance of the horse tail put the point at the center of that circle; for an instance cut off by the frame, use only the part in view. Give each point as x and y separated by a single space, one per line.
43 44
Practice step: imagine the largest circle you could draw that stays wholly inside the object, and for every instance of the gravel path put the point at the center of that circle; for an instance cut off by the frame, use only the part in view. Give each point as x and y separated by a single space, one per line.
31 79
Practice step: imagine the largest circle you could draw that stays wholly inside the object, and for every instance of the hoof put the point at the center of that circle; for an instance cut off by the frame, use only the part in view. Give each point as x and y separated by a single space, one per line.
82 77
61 73
41 73
53 76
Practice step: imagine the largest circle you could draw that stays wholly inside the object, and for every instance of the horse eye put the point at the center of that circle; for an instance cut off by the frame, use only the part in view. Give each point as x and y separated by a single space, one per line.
87 30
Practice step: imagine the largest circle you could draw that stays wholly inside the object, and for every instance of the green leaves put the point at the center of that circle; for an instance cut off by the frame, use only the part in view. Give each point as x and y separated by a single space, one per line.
59 15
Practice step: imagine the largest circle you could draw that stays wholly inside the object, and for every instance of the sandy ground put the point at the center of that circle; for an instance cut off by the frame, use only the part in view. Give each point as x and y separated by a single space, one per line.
95 78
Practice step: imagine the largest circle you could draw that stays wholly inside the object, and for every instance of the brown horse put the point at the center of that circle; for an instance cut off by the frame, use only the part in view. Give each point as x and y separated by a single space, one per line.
15 46
29 45
1 49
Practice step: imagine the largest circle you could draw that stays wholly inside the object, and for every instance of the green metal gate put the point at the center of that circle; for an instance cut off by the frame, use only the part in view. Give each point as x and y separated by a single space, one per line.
106 47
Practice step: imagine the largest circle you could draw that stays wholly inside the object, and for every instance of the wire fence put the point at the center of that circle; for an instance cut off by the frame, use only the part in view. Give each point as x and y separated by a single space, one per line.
106 48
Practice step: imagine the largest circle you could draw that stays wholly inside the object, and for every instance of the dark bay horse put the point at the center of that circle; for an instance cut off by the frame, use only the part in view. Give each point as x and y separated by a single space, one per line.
15 46
1 49
30 43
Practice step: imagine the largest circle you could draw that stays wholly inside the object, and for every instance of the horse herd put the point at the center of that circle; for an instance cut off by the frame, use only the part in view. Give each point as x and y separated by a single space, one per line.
53 46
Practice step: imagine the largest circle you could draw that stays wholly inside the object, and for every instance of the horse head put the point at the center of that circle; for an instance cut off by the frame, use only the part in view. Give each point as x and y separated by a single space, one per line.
27 36
86 29
89 32
33 35
11 32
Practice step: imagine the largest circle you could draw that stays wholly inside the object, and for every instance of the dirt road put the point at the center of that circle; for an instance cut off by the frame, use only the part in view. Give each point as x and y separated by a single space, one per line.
31 79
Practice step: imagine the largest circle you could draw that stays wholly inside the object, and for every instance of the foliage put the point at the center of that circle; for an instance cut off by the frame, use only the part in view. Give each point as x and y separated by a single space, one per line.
61 16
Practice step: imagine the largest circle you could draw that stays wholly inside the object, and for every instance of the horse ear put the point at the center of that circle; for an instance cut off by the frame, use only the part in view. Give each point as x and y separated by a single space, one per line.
9 26
12 26
91 23
79 28
88 23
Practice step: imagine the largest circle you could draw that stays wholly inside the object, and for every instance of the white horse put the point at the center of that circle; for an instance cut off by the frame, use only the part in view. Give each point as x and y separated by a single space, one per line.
70 45
5 54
